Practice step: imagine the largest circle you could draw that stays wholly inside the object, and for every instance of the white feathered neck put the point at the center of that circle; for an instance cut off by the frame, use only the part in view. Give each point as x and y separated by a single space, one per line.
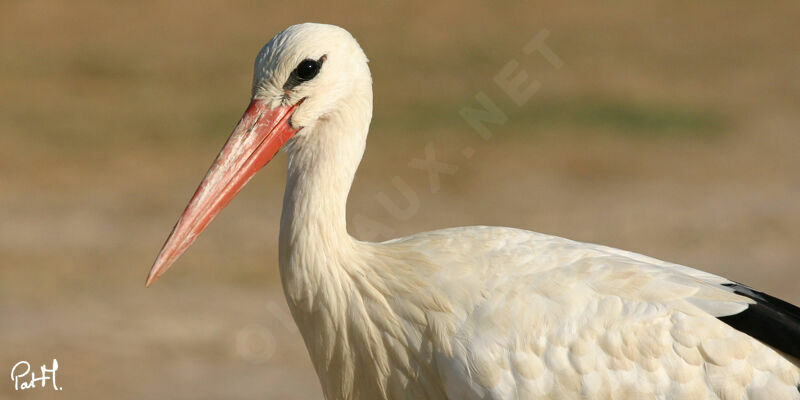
323 159
324 271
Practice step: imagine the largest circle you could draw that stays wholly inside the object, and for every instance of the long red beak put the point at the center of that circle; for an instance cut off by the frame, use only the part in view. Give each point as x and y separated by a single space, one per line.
257 137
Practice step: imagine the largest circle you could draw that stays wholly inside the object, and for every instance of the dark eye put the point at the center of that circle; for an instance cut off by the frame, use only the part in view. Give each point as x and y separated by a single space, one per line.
307 69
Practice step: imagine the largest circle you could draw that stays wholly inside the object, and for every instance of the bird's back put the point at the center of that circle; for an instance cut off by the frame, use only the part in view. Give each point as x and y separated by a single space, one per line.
514 314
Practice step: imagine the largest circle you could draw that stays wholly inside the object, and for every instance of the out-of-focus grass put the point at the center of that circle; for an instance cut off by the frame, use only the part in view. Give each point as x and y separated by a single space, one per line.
630 118
670 130
588 115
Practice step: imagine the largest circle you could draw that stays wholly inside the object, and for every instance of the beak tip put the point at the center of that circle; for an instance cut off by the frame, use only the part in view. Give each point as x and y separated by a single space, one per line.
150 279
155 272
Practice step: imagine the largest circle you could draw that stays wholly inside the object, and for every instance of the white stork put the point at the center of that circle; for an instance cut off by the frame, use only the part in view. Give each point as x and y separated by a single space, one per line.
474 312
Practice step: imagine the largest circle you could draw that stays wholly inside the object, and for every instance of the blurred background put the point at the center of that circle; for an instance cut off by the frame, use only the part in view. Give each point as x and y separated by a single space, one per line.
672 129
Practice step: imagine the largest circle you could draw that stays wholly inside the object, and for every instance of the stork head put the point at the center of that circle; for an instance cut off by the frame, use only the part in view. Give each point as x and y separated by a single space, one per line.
317 65
301 76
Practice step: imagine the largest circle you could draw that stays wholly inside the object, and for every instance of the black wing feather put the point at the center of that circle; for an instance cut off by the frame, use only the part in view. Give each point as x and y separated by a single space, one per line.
770 320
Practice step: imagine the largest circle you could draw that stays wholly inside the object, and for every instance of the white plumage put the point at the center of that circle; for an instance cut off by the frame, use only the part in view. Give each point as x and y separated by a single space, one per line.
474 312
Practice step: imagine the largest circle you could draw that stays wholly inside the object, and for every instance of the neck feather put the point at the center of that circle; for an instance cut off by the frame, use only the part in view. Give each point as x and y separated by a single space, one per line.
338 289
322 164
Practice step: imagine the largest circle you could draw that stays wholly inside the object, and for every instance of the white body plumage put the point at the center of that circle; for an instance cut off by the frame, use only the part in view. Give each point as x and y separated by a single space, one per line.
498 313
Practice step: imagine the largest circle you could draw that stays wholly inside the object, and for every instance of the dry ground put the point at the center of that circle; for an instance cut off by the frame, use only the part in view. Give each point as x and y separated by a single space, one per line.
671 130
